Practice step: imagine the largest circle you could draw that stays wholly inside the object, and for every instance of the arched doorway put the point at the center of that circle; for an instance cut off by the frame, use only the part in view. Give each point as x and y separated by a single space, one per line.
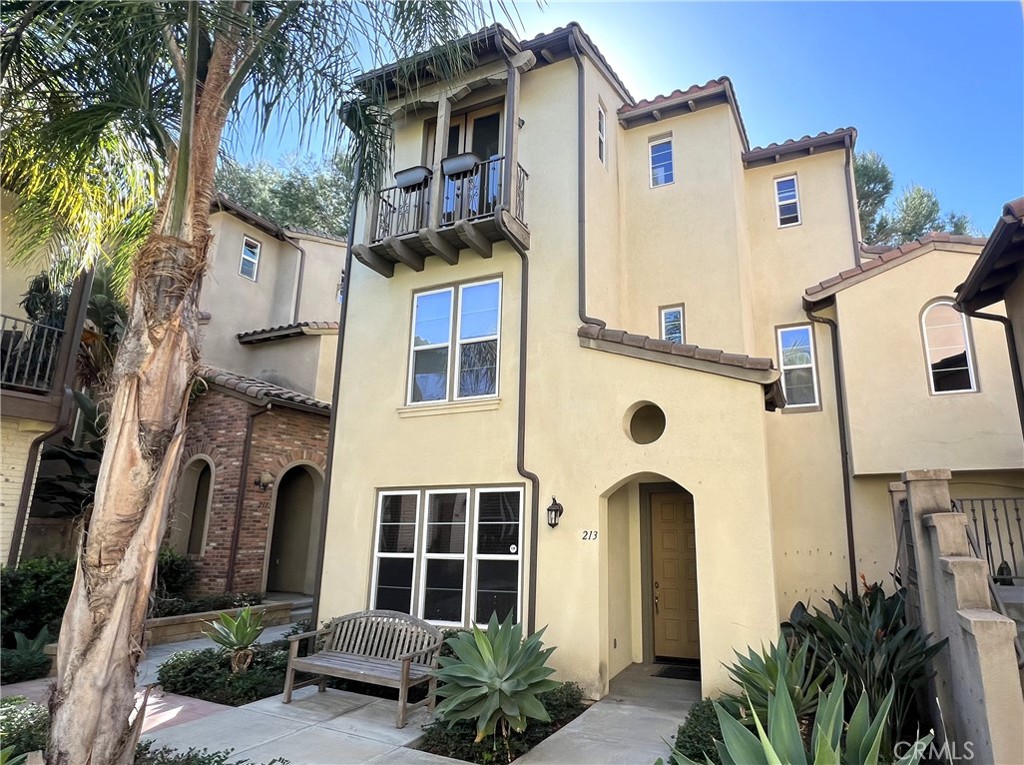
291 559
192 508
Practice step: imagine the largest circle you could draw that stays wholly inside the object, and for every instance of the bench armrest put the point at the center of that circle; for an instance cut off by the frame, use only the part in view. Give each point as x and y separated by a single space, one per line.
435 646
313 633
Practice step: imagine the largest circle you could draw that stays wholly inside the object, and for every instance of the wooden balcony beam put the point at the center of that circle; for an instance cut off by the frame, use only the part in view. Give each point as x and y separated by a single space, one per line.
473 238
373 261
438 246
403 253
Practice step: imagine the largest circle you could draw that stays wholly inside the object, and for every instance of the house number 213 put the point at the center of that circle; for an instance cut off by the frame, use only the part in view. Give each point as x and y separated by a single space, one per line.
590 535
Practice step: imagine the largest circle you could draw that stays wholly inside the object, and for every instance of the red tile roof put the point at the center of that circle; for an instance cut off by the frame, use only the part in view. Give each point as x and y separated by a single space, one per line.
285 330
261 391
891 257
676 95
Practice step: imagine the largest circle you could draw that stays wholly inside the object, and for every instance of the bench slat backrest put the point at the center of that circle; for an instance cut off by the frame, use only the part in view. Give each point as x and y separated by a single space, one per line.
383 635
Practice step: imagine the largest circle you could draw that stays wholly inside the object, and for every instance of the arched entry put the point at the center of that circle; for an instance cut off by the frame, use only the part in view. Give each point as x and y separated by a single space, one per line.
651 588
192 507
295 528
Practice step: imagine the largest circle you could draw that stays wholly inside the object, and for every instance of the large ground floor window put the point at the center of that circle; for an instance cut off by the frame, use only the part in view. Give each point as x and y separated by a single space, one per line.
451 556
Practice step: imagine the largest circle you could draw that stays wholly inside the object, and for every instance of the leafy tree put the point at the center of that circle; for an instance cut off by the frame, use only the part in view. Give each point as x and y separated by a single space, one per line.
914 213
119 86
315 195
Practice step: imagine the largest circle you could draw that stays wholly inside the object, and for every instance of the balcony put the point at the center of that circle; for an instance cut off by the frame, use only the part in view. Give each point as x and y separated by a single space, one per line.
29 355
470 203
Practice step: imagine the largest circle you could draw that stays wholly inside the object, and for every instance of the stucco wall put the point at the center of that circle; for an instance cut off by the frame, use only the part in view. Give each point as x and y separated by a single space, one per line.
895 422
16 436
1014 302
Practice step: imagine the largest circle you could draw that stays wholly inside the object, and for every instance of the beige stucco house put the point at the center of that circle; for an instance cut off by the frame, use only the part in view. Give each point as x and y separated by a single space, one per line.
582 381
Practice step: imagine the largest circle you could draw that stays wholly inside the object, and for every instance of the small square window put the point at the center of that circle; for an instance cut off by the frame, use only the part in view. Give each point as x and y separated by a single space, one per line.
662 172
672 324
250 262
787 201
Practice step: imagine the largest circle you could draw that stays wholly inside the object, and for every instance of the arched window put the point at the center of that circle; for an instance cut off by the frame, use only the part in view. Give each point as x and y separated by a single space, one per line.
948 349
192 507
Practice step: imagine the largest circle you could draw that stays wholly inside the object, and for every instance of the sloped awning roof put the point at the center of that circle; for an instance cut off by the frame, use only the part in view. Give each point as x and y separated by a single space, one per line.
886 261
262 392
1000 264
282 331
737 366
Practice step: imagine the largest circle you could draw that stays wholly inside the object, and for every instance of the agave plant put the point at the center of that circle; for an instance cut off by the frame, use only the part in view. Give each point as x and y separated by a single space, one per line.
781 741
759 675
36 644
494 678
237 636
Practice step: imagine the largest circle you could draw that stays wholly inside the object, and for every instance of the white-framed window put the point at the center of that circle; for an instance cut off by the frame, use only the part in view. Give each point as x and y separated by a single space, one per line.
798 365
450 556
787 201
455 358
948 350
250 262
395 550
672 327
662 172
443 583
497 554
602 135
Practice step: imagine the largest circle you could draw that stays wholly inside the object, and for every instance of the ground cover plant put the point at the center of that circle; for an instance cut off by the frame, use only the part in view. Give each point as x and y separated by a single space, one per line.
26 661
698 733
207 674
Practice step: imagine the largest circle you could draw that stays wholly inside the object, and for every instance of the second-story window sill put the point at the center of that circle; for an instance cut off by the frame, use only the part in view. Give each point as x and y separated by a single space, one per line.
449 407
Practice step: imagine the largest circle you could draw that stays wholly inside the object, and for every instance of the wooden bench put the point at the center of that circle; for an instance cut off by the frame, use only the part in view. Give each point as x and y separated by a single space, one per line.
386 648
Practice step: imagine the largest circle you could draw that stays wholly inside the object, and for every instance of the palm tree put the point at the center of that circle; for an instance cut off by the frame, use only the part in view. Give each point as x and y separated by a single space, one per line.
155 84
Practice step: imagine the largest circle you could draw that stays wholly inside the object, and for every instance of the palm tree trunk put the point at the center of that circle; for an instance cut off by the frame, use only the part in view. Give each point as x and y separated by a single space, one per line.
94 696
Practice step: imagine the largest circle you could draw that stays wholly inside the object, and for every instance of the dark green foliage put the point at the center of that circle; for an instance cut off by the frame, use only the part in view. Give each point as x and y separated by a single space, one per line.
34 596
207 675
563 704
23 728
760 674
18 666
868 639
700 730
175 573
179 606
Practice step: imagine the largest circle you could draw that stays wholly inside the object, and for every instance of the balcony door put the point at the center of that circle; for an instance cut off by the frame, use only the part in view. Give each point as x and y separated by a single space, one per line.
478 192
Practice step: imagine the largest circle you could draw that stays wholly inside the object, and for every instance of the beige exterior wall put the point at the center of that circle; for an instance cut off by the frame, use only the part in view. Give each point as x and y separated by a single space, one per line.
1014 302
16 437
237 304
895 422
13 278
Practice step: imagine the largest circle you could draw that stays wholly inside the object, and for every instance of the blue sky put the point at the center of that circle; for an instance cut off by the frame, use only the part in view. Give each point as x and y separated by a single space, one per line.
936 88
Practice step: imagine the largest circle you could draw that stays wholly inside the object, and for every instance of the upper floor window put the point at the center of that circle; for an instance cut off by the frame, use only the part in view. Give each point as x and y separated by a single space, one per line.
662 173
948 349
798 365
787 202
672 324
454 353
250 262
602 142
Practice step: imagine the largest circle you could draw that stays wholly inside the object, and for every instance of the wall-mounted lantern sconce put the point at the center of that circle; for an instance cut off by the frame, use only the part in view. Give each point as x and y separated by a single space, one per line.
265 481
554 512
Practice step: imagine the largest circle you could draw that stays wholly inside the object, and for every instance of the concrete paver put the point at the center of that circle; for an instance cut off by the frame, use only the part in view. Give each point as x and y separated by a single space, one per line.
316 745
236 728
377 721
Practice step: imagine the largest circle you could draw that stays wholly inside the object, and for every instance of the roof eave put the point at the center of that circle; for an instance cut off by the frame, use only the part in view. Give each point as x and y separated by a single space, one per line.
770 155
980 290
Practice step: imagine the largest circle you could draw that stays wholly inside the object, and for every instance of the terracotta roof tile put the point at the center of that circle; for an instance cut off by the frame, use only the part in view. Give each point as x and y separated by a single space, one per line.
261 390
795 143
1014 208
594 332
675 95
884 256
288 330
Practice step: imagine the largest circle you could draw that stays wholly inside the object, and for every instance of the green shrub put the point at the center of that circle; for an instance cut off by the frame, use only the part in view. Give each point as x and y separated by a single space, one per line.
759 675
868 639
23 726
207 675
563 703
181 606
175 573
700 730
780 738
34 596
149 754
494 678
18 666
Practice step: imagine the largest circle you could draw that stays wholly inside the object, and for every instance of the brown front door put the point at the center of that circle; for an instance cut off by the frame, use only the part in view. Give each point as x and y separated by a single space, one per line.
674 563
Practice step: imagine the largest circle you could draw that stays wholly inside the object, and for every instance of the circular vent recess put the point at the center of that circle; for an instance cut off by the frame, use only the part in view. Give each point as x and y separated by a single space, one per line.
644 422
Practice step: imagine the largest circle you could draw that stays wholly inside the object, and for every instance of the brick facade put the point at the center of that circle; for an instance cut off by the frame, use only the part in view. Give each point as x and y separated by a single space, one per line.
281 437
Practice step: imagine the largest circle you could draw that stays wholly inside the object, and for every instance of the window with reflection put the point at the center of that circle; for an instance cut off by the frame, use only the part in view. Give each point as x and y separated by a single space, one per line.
454 352
797 362
948 350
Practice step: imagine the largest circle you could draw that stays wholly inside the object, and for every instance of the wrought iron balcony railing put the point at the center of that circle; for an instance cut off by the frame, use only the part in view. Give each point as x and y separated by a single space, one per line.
29 354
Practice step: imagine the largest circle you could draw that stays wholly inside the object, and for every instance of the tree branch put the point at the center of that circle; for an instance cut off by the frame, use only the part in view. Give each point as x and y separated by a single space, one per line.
172 46
247 61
